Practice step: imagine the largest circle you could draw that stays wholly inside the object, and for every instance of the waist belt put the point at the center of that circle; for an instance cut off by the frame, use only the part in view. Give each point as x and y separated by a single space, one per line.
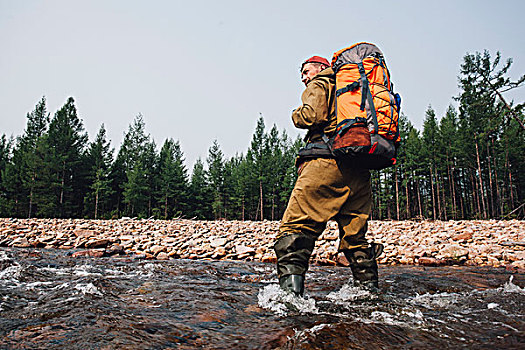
315 150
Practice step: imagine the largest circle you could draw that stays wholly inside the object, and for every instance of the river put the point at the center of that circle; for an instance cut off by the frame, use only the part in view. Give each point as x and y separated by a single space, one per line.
49 300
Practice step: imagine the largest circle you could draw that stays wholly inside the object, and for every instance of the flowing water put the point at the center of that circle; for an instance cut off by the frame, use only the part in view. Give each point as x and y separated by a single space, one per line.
49 300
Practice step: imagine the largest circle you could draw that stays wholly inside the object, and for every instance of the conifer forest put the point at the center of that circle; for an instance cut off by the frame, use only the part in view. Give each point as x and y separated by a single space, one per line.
466 164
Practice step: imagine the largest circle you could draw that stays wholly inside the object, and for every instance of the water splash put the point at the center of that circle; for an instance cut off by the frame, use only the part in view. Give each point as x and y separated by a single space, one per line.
385 317
349 293
510 287
88 288
302 335
492 305
442 300
273 298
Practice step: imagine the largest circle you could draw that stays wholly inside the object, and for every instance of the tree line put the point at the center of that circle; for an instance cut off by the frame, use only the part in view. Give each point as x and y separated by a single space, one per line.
51 170
470 163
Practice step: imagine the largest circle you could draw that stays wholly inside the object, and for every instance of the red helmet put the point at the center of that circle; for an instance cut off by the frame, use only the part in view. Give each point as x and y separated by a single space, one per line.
316 59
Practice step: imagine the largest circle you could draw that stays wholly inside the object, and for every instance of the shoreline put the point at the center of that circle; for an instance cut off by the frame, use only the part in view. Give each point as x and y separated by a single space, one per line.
495 243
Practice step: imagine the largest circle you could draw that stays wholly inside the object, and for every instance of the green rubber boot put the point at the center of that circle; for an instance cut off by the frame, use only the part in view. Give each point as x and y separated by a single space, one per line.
293 284
364 265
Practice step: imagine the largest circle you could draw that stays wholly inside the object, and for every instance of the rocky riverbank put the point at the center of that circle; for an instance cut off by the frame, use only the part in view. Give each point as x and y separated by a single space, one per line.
432 243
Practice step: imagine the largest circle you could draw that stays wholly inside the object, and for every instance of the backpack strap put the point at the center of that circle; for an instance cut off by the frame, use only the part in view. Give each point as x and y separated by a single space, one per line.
328 142
350 87
367 95
316 150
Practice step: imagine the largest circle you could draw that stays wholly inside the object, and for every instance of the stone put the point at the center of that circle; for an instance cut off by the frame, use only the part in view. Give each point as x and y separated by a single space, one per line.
463 236
20 242
269 259
156 249
162 256
219 253
428 261
341 260
218 242
453 251
519 264
115 249
99 243
473 242
242 249
84 233
94 253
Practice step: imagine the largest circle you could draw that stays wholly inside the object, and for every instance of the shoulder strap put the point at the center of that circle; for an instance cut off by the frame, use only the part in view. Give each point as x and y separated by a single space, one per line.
367 96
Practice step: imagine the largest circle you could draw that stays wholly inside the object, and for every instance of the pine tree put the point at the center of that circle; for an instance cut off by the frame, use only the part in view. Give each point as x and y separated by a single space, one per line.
430 152
480 120
149 158
173 180
23 171
200 193
132 171
448 145
62 184
99 159
136 190
215 174
256 156
238 185
6 145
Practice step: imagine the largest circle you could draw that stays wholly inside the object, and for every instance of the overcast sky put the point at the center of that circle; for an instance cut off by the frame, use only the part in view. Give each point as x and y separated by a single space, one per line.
204 70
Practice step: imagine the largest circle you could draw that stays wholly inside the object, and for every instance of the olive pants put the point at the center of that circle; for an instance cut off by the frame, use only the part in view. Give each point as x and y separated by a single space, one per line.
325 190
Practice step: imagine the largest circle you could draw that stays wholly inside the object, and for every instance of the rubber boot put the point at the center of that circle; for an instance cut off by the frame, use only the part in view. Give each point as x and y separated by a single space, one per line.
293 284
364 265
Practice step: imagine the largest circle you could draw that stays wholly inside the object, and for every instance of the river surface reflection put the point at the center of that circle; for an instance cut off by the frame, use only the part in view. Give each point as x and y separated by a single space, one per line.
49 300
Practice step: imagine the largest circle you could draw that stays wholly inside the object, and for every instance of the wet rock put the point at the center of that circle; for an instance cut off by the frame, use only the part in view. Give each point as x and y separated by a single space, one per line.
84 233
431 261
219 253
20 242
341 260
162 256
99 243
242 249
156 249
94 253
453 251
269 259
115 249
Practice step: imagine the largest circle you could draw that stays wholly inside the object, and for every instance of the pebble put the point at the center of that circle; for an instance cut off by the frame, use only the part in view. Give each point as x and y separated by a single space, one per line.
428 243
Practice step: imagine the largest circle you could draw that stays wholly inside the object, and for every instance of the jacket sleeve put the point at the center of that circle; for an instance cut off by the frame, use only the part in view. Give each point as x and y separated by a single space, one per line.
314 110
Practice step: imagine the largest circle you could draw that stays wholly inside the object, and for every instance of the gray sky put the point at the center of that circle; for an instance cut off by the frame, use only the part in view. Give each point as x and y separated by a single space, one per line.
204 70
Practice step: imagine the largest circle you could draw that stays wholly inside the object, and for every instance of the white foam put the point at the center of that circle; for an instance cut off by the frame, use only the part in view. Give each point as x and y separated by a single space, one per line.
9 277
61 286
149 266
59 271
273 298
492 305
417 315
300 335
349 293
384 317
440 300
38 283
510 287
84 270
263 268
87 288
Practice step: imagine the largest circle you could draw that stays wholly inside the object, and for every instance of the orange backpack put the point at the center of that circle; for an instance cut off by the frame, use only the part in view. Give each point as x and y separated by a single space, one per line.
366 107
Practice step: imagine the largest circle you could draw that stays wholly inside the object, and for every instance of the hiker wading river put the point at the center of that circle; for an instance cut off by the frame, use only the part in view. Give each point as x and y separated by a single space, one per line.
327 188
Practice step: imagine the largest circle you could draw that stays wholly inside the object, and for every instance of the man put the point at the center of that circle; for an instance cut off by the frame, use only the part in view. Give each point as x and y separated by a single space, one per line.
325 189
